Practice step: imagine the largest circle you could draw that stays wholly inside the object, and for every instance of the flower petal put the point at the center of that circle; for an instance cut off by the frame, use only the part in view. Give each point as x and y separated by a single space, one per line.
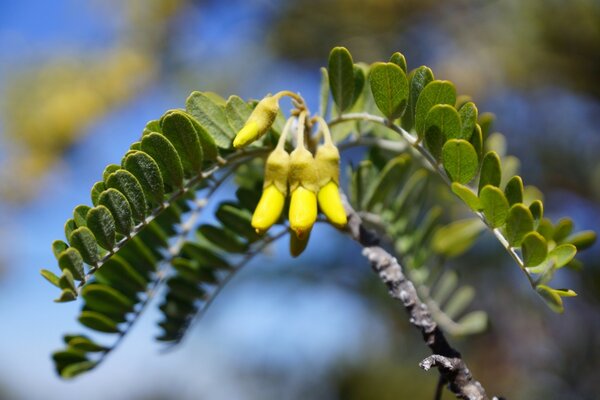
330 203
268 210
303 211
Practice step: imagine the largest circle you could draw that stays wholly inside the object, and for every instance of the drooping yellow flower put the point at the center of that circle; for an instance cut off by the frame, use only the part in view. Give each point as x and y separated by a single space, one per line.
303 179
328 165
275 187
260 121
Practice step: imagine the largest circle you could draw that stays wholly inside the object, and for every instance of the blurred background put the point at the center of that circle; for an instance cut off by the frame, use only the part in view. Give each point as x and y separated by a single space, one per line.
78 82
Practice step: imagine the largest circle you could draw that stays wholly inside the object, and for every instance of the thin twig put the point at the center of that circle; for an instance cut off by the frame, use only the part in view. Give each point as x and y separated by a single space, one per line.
457 374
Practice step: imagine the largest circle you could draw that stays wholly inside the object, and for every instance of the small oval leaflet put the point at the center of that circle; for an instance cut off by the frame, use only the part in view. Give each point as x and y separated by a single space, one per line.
102 224
147 172
460 160
164 154
390 89
495 205
119 207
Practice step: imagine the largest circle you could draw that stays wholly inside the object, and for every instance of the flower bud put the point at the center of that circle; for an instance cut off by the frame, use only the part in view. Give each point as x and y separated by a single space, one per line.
304 185
260 121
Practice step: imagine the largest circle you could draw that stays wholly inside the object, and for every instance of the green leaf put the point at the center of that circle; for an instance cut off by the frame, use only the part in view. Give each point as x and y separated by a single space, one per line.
387 181
398 59
152 126
459 301
495 205
237 112
477 142
83 240
444 286
562 229
211 117
460 160
491 174
389 86
50 277
324 93
434 141
204 255
444 119
486 121
341 77
537 210
109 170
121 275
147 172
467 195
457 237
162 151
102 224
436 92
69 356
417 80
193 271
518 223
58 246
223 238
96 190
79 215
185 290
582 240
565 292
181 133
562 255
83 343
534 248
210 152
514 191
98 322
359 83
72 370
70 226
126 183
238 220
471 323
546 229
66 281
66 295
551 298
468 120
105 299
119 207
71 260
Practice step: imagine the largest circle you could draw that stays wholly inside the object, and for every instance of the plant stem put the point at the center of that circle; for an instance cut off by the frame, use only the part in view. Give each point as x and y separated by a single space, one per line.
435 166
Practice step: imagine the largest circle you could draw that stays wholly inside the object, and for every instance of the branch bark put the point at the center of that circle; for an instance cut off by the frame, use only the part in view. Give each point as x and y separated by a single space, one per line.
449 362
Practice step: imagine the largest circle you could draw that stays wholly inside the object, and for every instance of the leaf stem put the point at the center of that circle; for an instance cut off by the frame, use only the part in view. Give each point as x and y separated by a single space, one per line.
435 166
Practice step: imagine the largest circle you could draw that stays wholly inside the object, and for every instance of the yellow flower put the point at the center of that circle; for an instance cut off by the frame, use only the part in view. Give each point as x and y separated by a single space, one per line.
328 165
304 185
275 187
330 203
260 121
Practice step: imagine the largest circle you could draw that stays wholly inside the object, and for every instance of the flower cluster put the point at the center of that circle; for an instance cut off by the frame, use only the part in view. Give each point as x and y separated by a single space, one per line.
311 179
